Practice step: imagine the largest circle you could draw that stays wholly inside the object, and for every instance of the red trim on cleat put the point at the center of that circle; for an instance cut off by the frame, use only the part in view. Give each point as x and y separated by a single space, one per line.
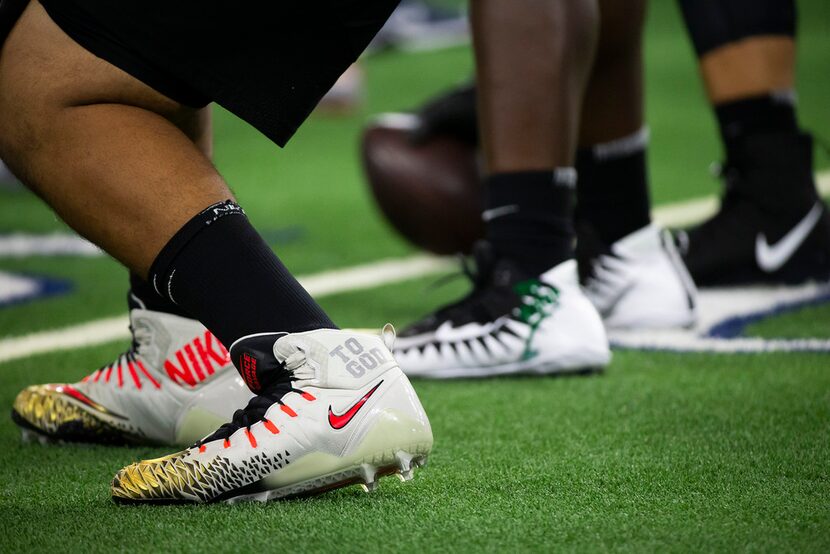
134 375
150 377
251 438
270 426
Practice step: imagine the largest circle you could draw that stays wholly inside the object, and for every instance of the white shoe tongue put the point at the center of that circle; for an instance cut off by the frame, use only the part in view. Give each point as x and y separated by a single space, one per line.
294 350
333 358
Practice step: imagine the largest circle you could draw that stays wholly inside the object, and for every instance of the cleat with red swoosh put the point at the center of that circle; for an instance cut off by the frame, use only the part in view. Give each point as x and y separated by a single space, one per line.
340 421
332 409
173 386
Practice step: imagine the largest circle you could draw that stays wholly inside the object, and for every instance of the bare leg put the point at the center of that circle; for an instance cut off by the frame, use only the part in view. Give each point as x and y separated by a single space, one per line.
62 135
750 67
613 105
533 58
612 195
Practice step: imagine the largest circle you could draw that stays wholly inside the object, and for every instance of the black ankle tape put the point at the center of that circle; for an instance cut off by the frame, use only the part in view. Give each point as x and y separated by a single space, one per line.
159 277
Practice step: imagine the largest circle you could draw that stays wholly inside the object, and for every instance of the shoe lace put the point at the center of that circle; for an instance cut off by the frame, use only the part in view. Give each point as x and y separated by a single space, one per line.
477 269
259 405
128 358
481 303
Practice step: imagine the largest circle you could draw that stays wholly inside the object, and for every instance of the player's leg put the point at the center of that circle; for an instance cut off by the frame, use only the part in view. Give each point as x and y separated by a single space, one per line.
112 170
526 313
629 268
197 125
532 61
772 225
613 183
148 373
105 151
64 137
108 413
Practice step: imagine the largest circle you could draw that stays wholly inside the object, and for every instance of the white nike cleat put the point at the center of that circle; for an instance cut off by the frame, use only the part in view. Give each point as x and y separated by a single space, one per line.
333 409
509 324
641 282
172 387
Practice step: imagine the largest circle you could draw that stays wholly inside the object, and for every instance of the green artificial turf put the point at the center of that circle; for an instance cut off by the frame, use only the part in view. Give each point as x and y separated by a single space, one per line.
807 322
664 452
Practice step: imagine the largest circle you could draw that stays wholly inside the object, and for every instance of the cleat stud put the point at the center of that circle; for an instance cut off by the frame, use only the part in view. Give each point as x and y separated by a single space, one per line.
404 460
370 486
405 476
368 472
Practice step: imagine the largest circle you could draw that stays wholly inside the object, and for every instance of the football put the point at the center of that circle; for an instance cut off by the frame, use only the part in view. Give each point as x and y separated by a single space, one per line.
430 192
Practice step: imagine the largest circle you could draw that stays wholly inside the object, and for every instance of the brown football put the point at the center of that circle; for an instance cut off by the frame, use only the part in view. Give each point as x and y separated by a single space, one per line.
430 193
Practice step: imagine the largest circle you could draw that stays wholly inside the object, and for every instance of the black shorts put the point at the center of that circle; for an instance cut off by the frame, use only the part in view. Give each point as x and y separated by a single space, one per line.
267 61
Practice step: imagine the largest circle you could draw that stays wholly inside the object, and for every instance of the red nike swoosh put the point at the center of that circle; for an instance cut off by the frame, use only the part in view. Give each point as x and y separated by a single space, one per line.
70 391
340 421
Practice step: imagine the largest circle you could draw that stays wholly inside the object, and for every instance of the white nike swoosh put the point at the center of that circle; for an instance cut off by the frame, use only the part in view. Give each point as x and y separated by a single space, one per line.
772 257
489 215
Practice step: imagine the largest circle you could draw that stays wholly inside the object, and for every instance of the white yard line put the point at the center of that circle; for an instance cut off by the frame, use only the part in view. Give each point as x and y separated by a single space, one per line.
326 283
320 284
77 336
23 245
375 274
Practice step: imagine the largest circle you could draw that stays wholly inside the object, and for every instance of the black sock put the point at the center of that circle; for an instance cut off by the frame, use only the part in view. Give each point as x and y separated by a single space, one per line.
142 295
757 115
529 217
612 195
219 269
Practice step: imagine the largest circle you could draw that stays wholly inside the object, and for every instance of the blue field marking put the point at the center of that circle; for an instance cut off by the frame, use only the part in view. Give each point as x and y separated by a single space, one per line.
18 288
723 318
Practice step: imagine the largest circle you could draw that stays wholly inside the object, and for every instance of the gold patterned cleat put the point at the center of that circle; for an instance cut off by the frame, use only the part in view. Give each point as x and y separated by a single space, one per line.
173 386
62 413
174 478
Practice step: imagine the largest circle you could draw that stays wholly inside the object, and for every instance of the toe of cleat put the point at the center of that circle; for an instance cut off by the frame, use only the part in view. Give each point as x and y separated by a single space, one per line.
47 416
169 479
